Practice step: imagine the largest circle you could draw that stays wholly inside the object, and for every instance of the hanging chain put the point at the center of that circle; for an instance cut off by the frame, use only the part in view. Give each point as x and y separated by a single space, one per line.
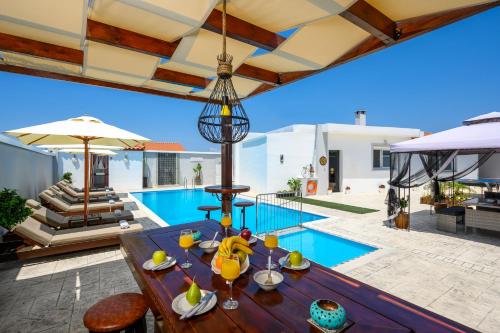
224 29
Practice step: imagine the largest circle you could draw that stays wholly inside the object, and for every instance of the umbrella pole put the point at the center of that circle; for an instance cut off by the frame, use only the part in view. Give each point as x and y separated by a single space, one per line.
86 181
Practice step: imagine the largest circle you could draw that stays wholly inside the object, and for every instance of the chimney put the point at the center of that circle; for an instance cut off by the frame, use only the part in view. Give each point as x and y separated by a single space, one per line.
360 118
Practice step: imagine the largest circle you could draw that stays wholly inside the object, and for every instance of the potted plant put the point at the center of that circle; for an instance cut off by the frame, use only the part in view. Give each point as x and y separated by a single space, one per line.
439 202
426 199
403 220
197 174
13 210
68 177
381 188
294 184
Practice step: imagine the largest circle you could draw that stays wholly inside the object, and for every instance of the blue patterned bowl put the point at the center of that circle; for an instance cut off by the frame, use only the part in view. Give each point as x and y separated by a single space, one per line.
196 235
328 314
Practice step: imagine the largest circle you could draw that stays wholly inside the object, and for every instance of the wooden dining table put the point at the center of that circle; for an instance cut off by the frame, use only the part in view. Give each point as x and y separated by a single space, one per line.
285 309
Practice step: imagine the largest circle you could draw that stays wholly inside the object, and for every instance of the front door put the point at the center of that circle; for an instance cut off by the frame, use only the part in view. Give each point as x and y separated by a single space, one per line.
100 171
333 170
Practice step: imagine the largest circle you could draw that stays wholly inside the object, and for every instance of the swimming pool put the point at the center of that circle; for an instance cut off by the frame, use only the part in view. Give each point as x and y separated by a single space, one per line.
325 249
180 206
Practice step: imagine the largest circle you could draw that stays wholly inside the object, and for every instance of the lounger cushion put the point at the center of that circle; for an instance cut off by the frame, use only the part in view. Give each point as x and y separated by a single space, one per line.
85 234
33 204
61 205
35 231
49 217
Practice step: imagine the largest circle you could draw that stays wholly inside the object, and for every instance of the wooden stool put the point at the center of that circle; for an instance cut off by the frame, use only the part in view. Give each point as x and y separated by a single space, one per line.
208 209
243 205
117 313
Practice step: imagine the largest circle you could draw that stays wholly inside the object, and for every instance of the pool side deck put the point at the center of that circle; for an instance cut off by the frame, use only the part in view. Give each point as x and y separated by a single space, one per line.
457 276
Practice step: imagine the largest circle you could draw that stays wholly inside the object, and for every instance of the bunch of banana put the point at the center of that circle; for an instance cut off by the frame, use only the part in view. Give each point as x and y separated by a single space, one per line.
231 244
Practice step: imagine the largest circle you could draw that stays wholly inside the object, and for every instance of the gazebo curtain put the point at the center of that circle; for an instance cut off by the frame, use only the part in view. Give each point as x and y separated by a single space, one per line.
415 169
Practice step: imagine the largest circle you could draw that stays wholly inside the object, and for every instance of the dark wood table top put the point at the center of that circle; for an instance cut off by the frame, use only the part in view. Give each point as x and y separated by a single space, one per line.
227 189
282 310
244 204
208 208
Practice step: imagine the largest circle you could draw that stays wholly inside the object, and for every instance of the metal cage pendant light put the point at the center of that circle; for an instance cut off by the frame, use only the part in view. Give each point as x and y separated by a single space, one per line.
223 119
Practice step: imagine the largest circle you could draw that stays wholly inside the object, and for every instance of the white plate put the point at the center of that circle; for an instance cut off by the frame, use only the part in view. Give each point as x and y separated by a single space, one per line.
180 304
305 264
149 265
243 268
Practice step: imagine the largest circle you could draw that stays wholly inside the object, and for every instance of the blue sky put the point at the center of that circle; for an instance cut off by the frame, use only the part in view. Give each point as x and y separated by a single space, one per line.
432 82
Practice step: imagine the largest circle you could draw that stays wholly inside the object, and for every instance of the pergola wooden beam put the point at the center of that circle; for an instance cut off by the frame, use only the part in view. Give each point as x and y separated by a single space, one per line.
243 31
258 74
95 82
166 75
114 36
35 48
408 28
372 20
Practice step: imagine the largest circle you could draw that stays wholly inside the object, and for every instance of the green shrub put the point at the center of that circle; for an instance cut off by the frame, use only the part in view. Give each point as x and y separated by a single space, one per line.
67 176
12 208
294 184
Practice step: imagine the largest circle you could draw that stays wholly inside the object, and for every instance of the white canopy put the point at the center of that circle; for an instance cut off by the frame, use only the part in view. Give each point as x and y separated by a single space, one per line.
78 146
478 134
103 152
73 130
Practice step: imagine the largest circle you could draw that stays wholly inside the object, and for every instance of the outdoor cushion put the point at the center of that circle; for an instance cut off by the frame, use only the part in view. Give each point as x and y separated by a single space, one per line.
35 231
86 234
49 217
72 208
33 204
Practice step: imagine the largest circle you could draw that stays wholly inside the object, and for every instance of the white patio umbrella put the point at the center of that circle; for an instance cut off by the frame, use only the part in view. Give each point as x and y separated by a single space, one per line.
79 130
103 152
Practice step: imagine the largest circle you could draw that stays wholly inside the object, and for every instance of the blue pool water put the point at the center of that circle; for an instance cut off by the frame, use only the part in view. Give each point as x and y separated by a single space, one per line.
180 206
327 250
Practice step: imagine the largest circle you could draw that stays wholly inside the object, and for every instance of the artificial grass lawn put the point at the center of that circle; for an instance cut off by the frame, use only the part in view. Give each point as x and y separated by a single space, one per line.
334 205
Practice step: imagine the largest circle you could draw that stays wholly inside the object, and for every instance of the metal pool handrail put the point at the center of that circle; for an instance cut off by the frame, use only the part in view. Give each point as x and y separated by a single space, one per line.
279 209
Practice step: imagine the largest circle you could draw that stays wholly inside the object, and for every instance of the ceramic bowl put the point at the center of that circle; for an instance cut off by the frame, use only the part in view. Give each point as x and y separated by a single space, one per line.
261 276
196 235
328 314
208 247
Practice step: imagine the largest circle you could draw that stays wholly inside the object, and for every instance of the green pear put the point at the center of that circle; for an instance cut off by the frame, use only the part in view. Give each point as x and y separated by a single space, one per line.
193 294
296 258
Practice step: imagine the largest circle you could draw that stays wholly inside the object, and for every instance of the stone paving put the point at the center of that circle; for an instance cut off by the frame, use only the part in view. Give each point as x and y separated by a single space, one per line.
457 276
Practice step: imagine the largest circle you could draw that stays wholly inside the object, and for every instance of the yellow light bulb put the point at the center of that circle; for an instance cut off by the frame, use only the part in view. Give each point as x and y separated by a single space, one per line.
225 111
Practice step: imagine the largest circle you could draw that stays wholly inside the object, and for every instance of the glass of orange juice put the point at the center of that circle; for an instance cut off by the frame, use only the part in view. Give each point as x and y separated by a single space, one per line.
226 221
230 271
271 242
186 241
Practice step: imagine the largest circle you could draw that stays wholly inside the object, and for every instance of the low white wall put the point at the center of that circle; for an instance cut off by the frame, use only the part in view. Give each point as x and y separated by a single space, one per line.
25 169
209 169
124 175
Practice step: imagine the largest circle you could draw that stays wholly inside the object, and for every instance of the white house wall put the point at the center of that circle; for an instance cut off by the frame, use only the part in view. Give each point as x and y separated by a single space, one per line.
297 149
252 164
490 169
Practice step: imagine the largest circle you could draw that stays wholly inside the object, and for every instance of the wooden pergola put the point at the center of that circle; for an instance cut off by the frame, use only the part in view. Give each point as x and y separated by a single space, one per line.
169 48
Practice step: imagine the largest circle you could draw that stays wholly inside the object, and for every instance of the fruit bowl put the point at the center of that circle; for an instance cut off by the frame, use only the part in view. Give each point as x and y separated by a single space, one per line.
208 247
243 268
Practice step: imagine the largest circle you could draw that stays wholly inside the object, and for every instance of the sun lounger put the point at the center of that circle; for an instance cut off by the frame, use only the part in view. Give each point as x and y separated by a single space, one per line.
58 221
69 190
93 189
42 240
72 199
51 198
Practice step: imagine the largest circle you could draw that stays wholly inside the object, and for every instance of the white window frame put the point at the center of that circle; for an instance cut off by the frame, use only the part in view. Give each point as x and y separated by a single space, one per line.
382 148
